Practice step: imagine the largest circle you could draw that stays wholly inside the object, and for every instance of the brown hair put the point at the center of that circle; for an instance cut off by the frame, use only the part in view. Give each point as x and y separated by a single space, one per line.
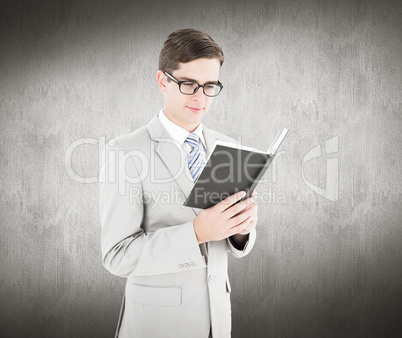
185 45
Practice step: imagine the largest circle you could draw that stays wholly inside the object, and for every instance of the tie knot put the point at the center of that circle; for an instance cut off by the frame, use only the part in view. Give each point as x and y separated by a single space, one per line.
192 139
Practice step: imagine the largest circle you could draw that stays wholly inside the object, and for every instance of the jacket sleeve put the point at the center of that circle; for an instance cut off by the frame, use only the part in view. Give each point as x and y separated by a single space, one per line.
247 247
126 249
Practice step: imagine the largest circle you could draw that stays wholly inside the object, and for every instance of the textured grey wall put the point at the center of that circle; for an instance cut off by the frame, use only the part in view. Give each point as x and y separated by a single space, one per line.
328 259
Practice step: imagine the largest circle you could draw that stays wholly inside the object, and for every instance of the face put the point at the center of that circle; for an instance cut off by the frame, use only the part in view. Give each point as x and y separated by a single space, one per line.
187 110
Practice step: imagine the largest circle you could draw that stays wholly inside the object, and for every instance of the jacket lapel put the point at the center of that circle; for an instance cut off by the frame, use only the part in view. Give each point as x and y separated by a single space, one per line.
210 138
173 156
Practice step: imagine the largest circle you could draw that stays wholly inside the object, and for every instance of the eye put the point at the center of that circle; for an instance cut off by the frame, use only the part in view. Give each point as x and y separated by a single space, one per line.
188 84
210 86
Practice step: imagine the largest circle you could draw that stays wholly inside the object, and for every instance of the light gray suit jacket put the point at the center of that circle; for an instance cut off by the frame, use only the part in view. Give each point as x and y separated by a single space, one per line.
148 237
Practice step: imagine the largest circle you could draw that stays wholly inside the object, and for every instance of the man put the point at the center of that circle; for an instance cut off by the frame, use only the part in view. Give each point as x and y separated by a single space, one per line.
174 257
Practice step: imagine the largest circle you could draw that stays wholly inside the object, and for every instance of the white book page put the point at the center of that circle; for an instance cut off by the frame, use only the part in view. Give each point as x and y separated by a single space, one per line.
271 150
238 146
277 142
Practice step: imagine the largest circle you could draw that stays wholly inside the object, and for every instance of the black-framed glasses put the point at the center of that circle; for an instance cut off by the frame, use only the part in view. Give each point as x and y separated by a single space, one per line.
191 87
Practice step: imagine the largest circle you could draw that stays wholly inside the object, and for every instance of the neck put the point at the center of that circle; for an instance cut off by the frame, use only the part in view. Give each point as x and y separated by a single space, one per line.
187 126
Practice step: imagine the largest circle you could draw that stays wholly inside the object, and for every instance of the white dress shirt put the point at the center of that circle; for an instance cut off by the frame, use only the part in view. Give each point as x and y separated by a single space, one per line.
180 134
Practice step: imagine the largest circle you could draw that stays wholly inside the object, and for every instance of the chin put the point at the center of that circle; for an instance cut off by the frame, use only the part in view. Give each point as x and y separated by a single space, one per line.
193 121
197 118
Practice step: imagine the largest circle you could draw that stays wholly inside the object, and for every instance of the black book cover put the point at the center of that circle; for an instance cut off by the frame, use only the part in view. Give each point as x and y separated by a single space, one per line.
230 169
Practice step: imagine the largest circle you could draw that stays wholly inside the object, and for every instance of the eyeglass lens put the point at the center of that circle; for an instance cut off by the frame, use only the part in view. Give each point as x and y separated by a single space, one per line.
191 87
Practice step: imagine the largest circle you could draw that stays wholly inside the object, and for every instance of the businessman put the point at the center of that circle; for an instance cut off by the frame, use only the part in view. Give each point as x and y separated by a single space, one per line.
174 257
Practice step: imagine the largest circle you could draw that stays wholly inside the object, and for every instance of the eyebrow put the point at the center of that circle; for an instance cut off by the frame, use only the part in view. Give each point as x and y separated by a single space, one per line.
184 78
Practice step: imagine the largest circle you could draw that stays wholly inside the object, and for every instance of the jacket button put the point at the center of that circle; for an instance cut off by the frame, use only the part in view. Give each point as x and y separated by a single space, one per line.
181 266
192 264
211 278
186 265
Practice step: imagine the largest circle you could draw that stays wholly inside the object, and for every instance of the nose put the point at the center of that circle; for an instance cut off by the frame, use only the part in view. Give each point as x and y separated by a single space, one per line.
199 95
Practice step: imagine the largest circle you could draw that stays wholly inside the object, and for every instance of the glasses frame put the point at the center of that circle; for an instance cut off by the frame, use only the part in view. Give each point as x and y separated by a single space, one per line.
198 85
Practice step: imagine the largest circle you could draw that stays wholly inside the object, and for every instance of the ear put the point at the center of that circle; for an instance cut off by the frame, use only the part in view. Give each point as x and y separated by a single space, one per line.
161 78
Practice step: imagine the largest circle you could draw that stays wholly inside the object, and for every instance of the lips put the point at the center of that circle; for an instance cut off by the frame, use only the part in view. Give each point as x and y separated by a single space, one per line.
194 109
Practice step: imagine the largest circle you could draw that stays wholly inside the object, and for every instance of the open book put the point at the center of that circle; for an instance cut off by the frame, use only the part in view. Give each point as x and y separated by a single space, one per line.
231 168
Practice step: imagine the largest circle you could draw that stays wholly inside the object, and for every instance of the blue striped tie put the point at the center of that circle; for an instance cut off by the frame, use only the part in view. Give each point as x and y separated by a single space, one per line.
196 158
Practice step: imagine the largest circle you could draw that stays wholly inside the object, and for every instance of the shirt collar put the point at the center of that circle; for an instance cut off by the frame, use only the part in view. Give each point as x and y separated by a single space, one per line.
179 134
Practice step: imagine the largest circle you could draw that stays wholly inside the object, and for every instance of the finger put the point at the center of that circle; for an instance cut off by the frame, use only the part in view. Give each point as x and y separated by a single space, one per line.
240 218
252 222
240 227
239 207
227 202
254 212
245 231
252 204
249 227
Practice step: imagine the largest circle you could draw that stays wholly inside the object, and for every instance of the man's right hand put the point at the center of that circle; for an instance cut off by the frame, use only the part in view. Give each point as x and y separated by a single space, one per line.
224 219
